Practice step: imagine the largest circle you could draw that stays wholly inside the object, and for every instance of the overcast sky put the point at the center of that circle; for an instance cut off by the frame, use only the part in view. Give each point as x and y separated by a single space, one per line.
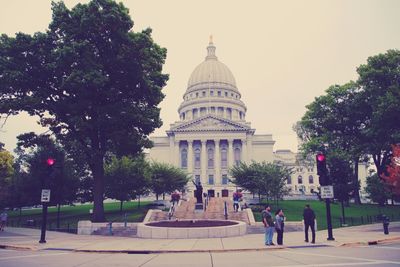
282 53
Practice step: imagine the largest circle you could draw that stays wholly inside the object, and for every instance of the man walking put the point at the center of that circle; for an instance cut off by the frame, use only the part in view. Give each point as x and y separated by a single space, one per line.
309 221
3 220
269 225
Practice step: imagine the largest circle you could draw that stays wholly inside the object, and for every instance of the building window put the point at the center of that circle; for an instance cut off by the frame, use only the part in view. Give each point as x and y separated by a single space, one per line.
225 179
211 93
197 94
237 156
224 158
226 94
231 94
197 158
197 179
289 180
310 179
210 158
300 179
204 93
219 93
184 158
211 179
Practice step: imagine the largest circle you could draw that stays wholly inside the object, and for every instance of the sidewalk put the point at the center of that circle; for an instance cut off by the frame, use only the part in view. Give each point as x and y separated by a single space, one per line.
23 238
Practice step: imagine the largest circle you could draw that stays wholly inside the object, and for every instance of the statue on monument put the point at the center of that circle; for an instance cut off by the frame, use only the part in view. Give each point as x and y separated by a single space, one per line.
199 191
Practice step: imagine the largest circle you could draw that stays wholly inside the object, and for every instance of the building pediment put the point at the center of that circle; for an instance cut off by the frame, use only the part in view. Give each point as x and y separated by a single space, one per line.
210 123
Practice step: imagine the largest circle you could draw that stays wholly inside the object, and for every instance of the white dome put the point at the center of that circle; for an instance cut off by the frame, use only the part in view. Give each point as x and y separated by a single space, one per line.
213 72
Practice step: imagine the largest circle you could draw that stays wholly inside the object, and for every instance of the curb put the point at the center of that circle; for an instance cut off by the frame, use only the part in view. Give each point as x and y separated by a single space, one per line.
370 243
16 247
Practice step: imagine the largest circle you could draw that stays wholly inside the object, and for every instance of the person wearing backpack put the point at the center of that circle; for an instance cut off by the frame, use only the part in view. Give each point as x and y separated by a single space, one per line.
279 226
269 225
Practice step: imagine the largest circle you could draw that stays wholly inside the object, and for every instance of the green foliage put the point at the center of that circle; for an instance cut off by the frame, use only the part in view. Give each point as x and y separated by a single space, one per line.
377 189
6 173
93 81
166 178
263 178
127 178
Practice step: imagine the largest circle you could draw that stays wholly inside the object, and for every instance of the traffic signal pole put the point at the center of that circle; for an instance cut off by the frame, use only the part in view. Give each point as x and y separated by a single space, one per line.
324 180
329 219
44 223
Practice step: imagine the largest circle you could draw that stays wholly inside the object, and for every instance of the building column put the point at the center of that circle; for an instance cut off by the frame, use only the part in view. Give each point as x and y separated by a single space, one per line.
217 162
203 162
190 157
230 153
177 154
244 151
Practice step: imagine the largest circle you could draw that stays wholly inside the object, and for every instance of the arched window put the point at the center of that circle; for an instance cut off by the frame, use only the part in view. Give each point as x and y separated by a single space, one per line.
210 155
224 157
197 158
289 180
300 179
184 158
310 179
237 156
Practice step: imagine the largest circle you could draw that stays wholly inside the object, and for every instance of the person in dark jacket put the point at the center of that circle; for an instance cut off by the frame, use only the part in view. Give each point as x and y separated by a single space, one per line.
309 222
279 225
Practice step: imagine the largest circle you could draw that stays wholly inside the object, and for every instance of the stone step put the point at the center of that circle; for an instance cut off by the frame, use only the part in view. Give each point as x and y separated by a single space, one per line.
117 231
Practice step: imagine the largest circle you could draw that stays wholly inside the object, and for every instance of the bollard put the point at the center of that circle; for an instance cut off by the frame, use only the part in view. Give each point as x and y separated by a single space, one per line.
125 221
385 222
110 228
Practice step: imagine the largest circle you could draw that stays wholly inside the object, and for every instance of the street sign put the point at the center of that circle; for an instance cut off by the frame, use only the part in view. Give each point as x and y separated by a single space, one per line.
327 191
45 195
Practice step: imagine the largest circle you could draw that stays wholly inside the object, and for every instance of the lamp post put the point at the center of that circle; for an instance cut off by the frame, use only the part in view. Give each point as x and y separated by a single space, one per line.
45 198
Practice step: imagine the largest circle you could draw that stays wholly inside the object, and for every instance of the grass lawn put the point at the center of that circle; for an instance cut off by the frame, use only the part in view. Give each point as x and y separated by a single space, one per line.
70 215
355 214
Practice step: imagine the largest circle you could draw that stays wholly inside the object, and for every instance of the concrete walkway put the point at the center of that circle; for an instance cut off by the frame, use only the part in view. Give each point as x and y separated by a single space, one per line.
22 238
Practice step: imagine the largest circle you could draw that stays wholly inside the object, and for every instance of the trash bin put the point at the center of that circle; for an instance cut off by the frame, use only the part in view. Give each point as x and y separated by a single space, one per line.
385 221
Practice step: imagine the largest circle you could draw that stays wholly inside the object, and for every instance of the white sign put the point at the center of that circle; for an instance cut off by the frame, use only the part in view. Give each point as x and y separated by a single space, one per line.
45 195
327 191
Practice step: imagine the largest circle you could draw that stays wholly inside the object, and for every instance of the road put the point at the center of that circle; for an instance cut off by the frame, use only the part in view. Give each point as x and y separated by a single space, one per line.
378 255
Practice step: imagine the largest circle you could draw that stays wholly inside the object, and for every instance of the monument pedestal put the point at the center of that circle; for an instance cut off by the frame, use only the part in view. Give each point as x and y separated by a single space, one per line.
199 207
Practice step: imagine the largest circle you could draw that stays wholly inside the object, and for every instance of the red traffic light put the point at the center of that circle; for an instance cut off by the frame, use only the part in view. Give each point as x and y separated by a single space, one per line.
321 157
50 161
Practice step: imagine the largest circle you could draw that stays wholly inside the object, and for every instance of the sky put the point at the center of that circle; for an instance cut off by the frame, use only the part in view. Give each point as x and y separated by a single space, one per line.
283 53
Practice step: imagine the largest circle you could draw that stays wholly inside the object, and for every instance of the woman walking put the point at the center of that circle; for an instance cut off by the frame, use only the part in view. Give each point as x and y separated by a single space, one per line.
279 225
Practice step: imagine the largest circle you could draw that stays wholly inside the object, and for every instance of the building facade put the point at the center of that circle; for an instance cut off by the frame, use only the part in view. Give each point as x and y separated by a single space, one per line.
212 134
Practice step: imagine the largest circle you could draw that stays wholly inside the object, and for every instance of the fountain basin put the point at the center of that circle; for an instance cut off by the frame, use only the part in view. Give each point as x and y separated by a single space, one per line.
185 229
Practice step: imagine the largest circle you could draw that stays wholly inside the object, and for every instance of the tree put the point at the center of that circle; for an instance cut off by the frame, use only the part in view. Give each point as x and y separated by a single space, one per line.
126 178
335 119
380 101
166 178
341 175
95 83
392 175
61 178
262 178
376 189
6 173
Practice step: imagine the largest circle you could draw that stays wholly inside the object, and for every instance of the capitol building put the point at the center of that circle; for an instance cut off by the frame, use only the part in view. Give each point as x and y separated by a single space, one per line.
212 135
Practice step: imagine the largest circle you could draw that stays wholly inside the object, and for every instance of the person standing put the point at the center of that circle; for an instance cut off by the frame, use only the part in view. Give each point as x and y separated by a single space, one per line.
236 201
279 226
309 222
269 225
3 220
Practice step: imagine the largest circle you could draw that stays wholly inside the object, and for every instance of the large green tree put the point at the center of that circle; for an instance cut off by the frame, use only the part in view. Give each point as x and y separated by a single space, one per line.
335 119
379 98
93 81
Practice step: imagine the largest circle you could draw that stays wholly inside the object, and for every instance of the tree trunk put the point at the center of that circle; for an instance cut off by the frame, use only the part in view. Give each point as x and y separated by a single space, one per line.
120 206
157 197
343 216
163 196
139 201
357 198
98 189
58 215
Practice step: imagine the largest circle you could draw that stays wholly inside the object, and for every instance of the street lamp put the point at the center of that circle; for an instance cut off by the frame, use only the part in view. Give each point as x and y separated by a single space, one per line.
45 198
